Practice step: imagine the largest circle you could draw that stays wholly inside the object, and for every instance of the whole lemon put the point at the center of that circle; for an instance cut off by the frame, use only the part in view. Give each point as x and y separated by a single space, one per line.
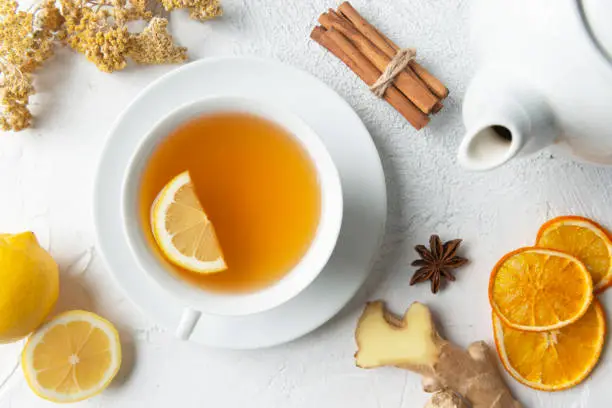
29 285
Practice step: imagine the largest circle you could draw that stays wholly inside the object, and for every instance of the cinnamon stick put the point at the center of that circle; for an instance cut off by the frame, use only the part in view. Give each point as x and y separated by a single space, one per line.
369 30
389 48
333 12
338 45
414 90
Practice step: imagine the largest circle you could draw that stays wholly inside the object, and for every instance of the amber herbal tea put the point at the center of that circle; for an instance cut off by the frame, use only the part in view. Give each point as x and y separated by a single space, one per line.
257 185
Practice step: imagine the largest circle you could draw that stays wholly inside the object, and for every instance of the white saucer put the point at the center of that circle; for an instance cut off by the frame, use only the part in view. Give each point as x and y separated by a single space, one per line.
346 138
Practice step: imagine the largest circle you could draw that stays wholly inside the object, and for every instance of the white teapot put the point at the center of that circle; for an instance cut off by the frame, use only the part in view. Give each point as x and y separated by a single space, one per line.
545 79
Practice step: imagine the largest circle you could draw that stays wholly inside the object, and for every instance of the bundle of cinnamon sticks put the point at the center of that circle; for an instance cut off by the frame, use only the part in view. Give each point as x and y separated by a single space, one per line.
415 93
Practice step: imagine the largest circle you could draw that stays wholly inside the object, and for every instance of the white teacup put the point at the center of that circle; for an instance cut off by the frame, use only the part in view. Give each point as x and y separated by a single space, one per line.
197 300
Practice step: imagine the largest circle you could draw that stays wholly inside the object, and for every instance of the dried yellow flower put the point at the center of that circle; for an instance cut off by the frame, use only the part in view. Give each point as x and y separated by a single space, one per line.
142 8
16 88
16 36
96 28
100 32
155 45
95 34
7 7
198 9
49 17
15 116
24 45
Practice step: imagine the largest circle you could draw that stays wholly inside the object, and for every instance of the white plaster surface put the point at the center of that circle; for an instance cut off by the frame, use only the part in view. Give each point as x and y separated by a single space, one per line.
46 185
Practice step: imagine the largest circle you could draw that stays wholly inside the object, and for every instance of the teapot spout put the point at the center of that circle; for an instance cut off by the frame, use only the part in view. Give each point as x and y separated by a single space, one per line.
489 145
504 118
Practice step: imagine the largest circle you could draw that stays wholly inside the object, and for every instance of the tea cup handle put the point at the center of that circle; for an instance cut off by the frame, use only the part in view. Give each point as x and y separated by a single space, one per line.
188 321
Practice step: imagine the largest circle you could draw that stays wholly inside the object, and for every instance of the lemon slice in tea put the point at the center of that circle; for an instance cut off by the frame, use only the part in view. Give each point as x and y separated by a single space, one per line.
182 229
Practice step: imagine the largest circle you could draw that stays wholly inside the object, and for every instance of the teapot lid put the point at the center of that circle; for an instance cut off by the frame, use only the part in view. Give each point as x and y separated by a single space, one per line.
596 15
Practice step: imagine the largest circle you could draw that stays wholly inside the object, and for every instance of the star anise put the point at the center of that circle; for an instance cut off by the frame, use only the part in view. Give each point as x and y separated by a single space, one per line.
437 262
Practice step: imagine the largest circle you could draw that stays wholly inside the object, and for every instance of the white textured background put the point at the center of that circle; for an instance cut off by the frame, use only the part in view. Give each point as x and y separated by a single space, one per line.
46 185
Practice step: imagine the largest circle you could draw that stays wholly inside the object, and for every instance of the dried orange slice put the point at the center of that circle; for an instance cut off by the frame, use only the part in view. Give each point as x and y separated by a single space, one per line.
73 357
552 360
584 239
182 229
537 289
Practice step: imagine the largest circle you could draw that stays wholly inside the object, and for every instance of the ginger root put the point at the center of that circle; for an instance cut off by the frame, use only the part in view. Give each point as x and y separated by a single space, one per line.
446 399
413 343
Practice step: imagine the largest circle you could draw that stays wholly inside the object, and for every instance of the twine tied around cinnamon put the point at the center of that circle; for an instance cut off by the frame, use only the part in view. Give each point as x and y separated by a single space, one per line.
397 64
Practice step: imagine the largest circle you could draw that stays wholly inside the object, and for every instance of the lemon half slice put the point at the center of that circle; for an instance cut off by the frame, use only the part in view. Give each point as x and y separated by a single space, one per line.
182 229
71 358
